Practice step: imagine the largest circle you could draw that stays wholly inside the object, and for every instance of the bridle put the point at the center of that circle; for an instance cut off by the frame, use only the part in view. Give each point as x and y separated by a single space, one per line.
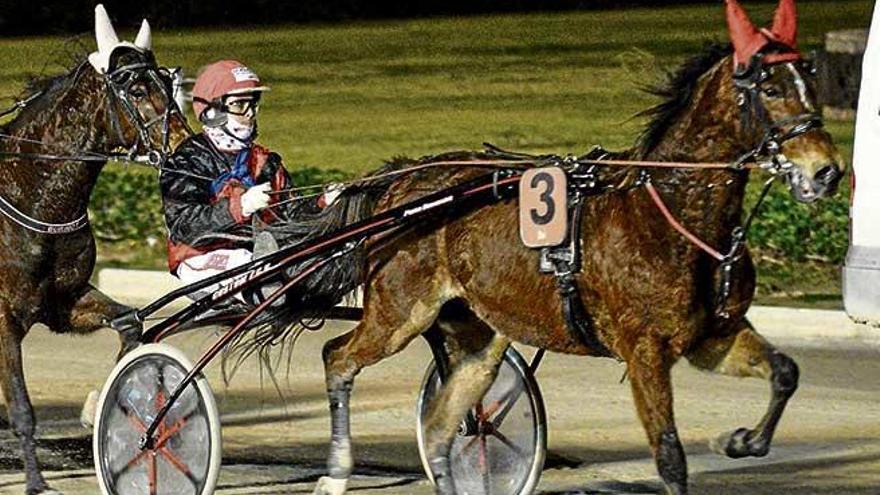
118 85
748 82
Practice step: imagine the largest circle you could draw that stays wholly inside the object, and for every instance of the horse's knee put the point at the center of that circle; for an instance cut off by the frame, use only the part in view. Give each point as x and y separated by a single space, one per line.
785 374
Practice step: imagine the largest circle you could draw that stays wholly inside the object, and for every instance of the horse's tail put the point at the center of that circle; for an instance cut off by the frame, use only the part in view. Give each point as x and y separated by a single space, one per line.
315 296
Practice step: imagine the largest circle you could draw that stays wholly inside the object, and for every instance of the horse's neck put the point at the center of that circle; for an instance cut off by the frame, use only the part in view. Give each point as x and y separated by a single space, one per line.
68 122
710 201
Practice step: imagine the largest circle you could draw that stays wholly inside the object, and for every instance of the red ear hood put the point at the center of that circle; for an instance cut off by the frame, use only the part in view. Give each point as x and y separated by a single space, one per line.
784 28
748 40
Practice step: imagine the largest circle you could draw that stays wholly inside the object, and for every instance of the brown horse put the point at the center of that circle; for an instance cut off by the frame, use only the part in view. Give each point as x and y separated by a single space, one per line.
650 294
52 153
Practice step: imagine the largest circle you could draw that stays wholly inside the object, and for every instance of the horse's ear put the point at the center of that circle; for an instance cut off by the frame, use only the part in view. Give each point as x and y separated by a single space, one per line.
144 37
784 28
105 35
746 38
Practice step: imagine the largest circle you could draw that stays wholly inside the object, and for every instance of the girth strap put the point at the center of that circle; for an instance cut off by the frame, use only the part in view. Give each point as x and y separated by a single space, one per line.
564 262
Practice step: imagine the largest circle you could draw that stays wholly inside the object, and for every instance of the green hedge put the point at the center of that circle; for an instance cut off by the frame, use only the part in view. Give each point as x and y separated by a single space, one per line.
126 204
786 229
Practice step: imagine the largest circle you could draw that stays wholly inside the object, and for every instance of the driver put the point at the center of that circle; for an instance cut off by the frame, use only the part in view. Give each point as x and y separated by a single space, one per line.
217 181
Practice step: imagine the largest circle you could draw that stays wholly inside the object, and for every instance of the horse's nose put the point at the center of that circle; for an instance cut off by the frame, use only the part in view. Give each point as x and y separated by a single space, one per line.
828 175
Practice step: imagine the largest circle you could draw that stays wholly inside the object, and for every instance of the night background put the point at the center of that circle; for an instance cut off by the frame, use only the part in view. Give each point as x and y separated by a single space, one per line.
57 16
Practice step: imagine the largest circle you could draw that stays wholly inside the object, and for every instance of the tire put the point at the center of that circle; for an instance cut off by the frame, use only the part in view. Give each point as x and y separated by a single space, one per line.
524 426
188 461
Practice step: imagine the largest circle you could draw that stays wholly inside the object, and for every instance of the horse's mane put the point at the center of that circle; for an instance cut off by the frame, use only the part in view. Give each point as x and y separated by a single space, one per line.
70 57
676 92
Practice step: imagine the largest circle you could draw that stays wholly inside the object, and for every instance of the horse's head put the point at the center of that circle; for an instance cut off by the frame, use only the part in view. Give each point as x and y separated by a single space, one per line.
776 97
142 116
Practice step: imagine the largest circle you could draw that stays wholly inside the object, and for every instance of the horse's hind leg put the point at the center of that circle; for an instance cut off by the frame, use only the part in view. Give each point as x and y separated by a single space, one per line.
21 412
389 324
648 369
473 371
746 353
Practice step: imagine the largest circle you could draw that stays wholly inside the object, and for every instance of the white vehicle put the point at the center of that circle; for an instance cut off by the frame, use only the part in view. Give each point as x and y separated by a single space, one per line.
861 273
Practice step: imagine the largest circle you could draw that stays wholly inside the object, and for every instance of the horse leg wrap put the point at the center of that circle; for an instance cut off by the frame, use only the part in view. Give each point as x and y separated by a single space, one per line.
340 462
330 486
671 463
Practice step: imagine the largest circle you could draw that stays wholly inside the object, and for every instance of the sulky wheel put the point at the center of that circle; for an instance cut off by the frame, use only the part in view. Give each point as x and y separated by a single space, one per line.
500 447
185 457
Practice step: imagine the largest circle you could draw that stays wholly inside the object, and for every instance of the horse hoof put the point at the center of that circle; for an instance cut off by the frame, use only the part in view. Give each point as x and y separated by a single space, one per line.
330 486
90 408
738 444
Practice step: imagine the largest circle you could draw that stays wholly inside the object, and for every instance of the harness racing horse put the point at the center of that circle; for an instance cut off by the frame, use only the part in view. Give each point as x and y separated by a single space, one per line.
52 153
651 296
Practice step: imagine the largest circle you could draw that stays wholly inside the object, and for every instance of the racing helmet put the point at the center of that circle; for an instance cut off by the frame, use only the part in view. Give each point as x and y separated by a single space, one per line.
219 81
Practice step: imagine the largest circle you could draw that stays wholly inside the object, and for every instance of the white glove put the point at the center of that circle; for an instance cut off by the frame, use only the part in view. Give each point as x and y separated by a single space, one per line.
331 192
255 199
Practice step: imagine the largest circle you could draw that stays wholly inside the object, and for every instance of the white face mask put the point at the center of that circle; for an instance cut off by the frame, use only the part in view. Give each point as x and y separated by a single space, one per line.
232 136
240 131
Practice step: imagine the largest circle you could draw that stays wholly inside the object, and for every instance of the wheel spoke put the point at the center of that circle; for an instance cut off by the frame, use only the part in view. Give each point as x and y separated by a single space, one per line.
484 465
511 397
506 441
115 475
136 422
170 432
151 473
179 465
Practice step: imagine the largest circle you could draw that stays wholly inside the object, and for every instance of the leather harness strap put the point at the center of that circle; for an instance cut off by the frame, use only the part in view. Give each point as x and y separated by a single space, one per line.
35 225
564 262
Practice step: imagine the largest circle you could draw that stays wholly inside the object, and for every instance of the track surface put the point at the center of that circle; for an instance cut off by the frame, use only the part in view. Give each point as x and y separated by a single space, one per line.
829 440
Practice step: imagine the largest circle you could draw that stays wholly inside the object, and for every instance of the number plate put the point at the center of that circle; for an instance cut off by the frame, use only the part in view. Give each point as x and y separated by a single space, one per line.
543 207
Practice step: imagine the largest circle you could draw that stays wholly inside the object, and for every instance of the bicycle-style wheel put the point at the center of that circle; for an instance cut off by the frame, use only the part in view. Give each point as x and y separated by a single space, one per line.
500 447
185 457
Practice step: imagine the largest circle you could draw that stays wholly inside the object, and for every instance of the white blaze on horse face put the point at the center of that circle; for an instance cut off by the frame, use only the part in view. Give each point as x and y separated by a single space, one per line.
107 41
801 86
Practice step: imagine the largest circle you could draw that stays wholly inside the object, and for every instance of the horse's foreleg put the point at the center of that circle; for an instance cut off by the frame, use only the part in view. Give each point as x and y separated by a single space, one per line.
94 310
89 312
747 354
649 373
471 377
21 412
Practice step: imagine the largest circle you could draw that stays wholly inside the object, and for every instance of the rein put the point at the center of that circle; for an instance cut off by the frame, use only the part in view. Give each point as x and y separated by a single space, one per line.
117 85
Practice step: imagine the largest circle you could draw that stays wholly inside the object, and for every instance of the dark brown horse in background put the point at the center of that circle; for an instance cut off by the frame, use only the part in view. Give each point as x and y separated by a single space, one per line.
649 293
50 158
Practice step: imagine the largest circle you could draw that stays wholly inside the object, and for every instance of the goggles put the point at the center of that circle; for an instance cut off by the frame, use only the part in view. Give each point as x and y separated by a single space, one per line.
242 105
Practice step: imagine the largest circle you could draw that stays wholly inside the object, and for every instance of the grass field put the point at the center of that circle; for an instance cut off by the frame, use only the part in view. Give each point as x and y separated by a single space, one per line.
348 96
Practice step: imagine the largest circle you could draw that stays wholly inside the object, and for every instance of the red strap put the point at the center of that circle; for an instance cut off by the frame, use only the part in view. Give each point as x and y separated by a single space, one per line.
677 226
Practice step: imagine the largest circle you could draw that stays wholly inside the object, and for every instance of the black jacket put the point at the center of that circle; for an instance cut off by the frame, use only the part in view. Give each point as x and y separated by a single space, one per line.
201 194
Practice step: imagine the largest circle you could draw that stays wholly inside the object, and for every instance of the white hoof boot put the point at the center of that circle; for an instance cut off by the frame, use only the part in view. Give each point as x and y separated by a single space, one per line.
90 408
330 486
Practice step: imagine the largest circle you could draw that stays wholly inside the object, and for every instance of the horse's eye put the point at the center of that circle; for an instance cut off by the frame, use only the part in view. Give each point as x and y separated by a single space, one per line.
772 92
138 92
